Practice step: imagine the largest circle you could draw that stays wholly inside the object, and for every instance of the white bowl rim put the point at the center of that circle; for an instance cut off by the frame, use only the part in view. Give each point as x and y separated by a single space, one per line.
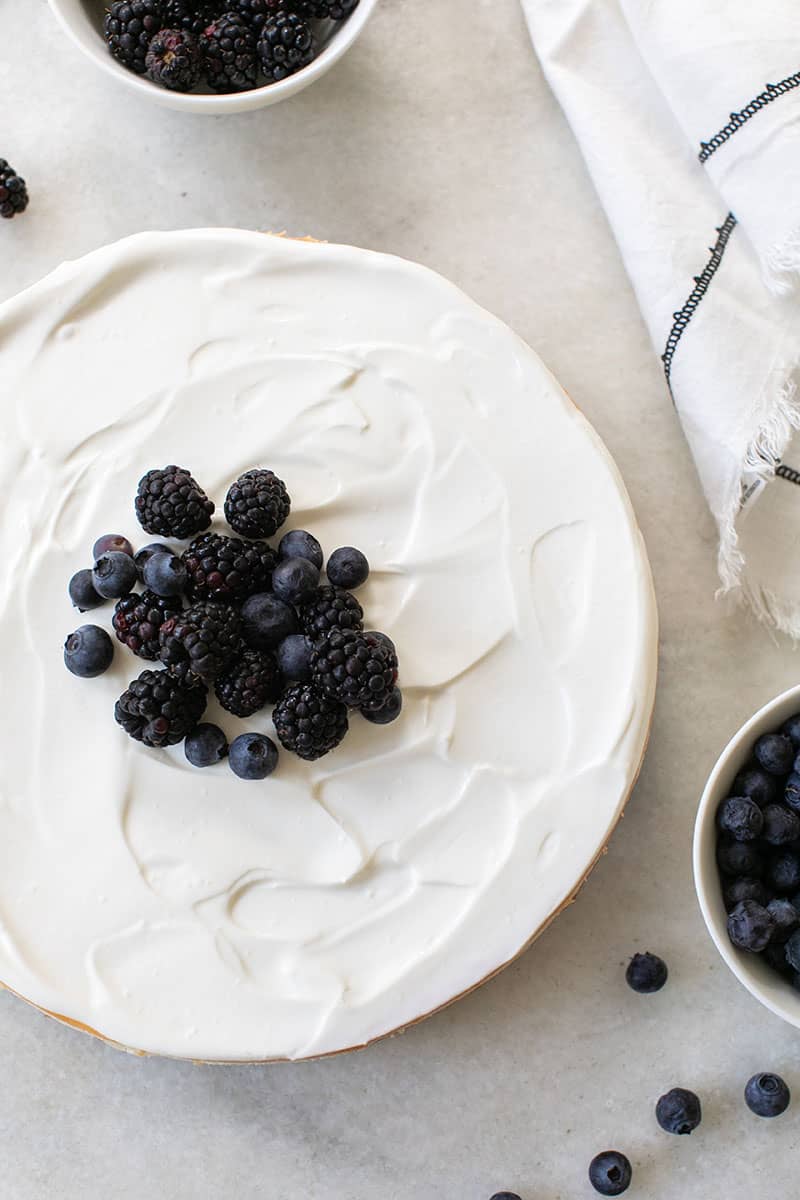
709 891
213 104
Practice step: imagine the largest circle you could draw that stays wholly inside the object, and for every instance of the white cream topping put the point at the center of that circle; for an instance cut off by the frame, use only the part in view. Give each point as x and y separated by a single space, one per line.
189 913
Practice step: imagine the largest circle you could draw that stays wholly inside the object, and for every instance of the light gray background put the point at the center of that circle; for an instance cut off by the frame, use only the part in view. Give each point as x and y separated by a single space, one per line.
436 138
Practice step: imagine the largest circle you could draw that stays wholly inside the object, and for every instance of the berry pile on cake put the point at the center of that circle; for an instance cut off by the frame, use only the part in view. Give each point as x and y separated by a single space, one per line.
231 613
226 45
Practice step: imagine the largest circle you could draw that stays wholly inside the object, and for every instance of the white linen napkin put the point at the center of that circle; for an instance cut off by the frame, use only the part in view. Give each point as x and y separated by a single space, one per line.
688 116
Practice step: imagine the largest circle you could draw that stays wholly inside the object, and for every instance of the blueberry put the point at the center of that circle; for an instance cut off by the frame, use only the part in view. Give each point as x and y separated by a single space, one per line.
783 872
775 752
740 858
610 1173
678 1111
114 574
791 793
88 651
750 926
780 825
165 574
82 591
775 956
295 580
294 657
740 817
253 756
205 745
792 951
146 553
785 916
266 621
505 1196
646 973
383 638
791 729
767 1095
347 568
756 783
298 543
745 889
111 542
389 711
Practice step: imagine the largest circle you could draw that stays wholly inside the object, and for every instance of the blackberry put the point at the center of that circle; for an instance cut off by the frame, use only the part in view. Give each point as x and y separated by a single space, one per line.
13 192
355 668
174 60
158 709
205 638
171 504
250 681
324 10
285 45
330 608
128 27
255 12
309 723
229 49
191 15
138 619
227 568
257 504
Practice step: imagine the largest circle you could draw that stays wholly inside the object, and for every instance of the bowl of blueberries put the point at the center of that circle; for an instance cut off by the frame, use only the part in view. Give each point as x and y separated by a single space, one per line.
214 56
747 855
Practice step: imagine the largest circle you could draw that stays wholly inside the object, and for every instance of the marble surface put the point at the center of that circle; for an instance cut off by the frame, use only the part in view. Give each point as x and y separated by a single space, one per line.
436 139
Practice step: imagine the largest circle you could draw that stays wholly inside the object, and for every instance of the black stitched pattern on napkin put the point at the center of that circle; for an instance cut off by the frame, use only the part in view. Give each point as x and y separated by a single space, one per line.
737 119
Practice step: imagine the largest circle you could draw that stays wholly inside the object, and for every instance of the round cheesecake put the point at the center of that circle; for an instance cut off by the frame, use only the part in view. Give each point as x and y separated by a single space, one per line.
186 912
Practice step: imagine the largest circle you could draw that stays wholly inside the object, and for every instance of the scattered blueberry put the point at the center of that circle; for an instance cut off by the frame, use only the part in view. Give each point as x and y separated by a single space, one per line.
740 858
741 818
780 825
388 712
678 1111
767 1095
791 729
88 651
294 657
505 1196
142 556
785 916
750 926
745 889
205 745
791 793
111 542
775 752
792 951
646 973
266 621
610 1173
295 580
347 568
756 783
82 591
783 872
298 543
114 575
253 756
165 574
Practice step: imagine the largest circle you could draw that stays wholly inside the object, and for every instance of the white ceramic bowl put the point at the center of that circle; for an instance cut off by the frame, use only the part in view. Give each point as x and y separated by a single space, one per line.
83 20
759 979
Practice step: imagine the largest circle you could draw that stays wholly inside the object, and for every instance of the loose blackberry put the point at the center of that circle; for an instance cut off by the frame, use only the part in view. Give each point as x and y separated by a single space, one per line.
229 49
250 681
205 637
191 15
13 192
255 12
323 10
128 27
331 608
227 568
171 504
355 668
285 45
309 723
257 504
174 60
158 709
138 619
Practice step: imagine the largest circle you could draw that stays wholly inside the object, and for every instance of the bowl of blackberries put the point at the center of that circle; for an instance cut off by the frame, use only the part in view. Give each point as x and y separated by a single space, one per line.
214 56
747 855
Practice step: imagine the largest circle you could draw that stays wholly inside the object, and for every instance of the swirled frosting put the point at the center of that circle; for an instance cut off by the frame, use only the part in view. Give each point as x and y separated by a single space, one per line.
185 912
